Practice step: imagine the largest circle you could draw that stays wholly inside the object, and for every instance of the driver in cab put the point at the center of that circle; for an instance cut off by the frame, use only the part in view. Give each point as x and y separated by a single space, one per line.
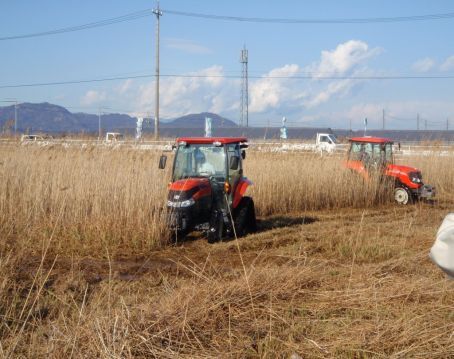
204 167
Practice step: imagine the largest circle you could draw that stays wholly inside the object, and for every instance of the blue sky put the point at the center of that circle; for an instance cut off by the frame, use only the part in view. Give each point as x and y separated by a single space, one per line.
211 47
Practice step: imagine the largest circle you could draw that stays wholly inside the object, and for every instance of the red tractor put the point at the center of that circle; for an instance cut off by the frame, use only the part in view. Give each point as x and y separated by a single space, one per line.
371 156
208 187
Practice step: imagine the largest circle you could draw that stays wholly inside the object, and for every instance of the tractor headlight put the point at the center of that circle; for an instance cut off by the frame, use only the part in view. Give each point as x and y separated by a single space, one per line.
181 204
415 177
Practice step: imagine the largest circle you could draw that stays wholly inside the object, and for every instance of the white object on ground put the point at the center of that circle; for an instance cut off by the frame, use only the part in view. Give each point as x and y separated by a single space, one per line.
442 252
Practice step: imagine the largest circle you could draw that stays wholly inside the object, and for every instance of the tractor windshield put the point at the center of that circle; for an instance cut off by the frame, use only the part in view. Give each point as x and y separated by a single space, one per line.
371 153
199 160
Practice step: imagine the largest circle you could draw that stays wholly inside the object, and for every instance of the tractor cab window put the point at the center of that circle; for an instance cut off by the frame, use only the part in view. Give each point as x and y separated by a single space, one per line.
234 150
384 154
376 154
202 160
356 151
373 154
368 150
324 139
388 151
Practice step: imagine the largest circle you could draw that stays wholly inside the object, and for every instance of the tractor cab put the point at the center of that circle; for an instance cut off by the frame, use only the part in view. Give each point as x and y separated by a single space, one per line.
208 186
368 154
373 156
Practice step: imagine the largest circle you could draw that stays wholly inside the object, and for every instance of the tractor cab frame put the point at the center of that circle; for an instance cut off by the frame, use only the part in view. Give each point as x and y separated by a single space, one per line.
208 186
367 154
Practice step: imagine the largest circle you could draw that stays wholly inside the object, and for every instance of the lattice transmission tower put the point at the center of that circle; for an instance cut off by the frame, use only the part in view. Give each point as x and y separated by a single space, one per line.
244 116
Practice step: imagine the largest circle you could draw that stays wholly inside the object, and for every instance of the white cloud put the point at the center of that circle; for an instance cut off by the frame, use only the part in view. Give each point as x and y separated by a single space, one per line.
277 93
347 59
423 65
93 97
448 64
125 86
276 88
344 58
187 46
206 90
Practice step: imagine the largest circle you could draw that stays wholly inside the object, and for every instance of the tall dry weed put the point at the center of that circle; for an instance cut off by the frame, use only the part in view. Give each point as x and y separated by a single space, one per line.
105 198
95 198
291 182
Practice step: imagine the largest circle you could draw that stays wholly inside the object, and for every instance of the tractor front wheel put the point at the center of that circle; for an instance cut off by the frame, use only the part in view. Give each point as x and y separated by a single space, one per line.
217 229
402 195
244 217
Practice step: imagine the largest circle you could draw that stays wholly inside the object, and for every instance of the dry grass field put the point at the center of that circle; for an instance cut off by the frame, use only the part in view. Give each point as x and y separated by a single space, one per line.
336 269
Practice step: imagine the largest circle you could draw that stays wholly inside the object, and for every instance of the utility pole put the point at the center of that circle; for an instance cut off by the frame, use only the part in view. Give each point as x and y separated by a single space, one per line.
447 124
383 119
158 14
266 129
244 118
425 125
99 124
15 118
417 121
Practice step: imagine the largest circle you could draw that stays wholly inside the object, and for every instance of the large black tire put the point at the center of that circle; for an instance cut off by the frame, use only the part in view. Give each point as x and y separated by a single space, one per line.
244 217
216 230
178 235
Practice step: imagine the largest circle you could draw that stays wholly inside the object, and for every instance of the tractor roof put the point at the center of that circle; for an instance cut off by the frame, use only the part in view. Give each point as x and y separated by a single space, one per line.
207 140
369 139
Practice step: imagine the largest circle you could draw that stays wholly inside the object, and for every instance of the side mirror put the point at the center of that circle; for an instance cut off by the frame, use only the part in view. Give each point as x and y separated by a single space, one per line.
243 155
234 162
162 162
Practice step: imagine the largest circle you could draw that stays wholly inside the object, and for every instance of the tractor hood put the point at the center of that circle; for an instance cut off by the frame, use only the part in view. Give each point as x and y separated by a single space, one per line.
187 191
189 184
399 169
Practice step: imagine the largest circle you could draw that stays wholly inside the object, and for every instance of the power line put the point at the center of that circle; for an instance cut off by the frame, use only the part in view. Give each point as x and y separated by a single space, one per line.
304 77
115 20
315 21
399 118
148 12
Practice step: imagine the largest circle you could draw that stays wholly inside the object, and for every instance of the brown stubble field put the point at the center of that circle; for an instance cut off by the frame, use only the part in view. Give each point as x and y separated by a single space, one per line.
335 270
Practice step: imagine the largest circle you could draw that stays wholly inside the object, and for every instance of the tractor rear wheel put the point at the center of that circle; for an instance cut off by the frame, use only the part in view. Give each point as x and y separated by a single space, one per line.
402 195
244 217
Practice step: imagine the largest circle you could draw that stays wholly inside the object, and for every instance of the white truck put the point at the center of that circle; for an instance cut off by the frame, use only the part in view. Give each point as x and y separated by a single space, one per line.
114 137
326 142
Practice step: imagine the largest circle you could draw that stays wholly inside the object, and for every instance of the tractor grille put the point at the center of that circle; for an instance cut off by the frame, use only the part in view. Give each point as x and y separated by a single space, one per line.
175 195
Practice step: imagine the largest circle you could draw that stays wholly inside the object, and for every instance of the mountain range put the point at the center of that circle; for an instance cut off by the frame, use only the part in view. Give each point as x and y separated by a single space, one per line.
50 118
57 120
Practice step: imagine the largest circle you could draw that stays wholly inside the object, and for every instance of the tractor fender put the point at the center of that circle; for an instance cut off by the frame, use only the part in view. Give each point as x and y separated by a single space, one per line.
240 191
